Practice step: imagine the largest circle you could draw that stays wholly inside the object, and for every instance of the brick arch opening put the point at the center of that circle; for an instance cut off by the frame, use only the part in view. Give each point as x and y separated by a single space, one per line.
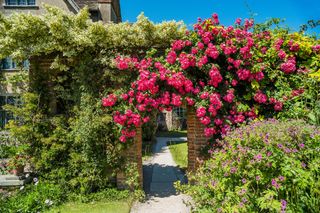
196 142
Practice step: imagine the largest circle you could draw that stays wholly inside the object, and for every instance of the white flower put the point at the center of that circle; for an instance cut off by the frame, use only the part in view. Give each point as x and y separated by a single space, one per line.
27 175
48 202
35 180
22 187
36 183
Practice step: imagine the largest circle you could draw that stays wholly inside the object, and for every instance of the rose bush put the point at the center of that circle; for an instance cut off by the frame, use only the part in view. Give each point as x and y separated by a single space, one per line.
229 74
267 166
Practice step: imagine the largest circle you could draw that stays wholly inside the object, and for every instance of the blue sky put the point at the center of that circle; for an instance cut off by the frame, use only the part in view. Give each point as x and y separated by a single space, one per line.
295 12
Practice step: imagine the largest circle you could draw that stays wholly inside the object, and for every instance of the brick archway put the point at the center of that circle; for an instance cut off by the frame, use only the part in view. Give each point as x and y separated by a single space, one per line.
196 141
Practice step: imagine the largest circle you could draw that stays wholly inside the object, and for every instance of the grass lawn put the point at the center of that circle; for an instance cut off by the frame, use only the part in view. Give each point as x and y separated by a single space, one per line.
102 206
176 133
179 151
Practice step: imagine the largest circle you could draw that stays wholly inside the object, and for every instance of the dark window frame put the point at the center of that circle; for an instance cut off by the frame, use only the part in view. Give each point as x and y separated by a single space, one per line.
8 64
179 112
6 116
20 3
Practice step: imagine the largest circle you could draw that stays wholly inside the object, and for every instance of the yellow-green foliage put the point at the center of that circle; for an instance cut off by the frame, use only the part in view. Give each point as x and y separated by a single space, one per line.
23 35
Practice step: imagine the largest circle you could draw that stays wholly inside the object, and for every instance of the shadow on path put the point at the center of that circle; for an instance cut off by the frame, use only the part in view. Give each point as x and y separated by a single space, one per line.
161 172
162 183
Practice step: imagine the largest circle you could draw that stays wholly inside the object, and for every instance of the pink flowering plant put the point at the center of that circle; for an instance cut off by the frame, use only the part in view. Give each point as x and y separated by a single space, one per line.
267 166
228 75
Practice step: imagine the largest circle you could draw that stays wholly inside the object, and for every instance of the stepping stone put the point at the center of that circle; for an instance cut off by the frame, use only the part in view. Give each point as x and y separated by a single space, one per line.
12 180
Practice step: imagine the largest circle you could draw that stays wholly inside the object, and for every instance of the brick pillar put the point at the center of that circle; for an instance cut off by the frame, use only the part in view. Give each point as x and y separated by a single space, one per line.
196 139
133 154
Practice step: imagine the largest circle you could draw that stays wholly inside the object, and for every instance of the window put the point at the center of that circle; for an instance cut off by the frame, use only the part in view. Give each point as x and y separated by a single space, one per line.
9 64
179 112
95 15
4 115
20 2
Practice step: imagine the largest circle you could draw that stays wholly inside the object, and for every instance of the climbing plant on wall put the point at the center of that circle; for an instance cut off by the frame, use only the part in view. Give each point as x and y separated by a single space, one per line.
228 74
67 135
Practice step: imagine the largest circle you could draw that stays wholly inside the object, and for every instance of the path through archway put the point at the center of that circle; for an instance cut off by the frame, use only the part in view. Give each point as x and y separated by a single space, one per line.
196 142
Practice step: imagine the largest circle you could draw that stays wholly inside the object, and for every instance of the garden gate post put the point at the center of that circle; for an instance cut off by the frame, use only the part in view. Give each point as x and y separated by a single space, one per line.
196 140
133 154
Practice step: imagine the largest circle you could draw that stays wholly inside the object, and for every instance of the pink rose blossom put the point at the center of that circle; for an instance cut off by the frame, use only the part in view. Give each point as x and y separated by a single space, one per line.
201 111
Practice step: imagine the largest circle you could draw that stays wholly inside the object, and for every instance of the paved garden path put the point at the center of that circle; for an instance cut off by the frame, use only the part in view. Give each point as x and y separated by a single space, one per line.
160 172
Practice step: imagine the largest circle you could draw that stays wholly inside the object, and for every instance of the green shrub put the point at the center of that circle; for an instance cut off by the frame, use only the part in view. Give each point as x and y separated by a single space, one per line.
78 152
7 151
267 166
33 198
307 105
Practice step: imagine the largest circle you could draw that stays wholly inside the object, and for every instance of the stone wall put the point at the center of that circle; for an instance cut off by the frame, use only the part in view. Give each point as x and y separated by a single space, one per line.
38 9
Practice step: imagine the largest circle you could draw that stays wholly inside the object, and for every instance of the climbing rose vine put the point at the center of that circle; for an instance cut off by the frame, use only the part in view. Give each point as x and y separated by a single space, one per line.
227 74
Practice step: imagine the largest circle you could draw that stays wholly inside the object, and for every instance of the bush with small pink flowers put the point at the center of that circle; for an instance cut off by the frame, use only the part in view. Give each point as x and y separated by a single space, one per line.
229 75
267 166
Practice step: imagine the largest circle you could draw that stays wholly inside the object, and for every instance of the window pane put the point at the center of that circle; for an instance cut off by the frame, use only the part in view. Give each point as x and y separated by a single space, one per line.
8 64
11 2
22 2
179 112
11 100
2 101
31 2
26 64
4 115
2 118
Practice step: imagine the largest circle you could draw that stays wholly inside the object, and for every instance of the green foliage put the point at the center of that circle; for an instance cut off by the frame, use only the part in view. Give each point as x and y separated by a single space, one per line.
307 105
267 166
47 196
33 198
7 151
68 137
58 31
149 129
79 152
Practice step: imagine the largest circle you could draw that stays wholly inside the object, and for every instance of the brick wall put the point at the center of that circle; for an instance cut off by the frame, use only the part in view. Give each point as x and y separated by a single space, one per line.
133 154
196 139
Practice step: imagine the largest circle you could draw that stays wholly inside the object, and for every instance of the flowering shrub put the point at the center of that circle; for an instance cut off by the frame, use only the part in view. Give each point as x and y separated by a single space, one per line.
267 166
229 74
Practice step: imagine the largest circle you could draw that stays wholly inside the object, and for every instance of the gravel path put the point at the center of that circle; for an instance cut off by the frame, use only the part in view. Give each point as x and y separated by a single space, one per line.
160 172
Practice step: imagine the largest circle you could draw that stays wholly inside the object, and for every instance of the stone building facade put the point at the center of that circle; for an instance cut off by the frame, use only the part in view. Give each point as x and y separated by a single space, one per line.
100 10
